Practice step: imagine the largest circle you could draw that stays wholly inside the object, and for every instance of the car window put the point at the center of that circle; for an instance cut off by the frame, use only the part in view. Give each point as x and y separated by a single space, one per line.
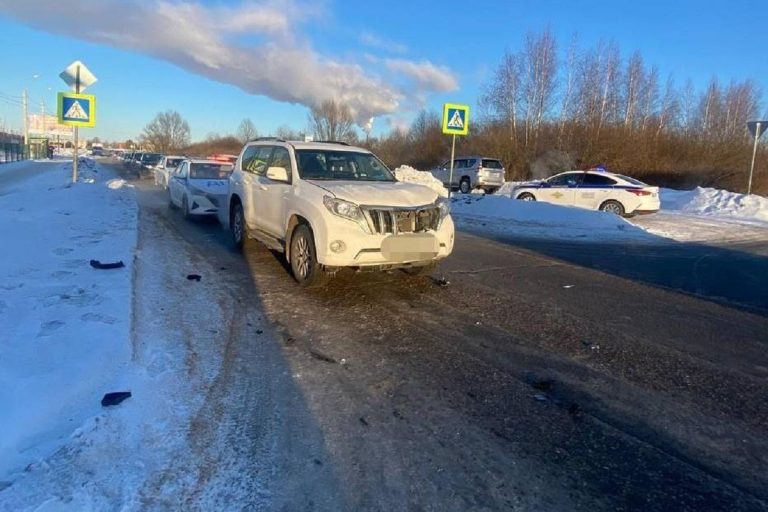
458 164
341 165
255 159
470 162
170 163
281 158
209 171
181 172
597 180
492 164
565 180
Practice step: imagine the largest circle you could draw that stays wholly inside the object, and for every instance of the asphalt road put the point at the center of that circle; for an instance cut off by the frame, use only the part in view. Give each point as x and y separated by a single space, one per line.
536 379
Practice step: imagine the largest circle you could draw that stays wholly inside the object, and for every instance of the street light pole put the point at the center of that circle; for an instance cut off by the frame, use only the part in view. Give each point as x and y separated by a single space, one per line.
754 153
26 118
77 132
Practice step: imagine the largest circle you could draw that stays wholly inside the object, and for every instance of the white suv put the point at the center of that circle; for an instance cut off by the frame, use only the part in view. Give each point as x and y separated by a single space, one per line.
327 205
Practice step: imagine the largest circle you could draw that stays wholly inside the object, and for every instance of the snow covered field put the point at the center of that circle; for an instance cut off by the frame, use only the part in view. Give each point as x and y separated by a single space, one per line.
702 215
64 326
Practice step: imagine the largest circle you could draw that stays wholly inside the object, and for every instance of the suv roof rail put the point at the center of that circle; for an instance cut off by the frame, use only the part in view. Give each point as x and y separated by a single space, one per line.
278 139
331 142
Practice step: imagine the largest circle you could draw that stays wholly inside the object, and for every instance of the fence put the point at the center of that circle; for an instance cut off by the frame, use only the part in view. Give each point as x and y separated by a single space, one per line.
11 148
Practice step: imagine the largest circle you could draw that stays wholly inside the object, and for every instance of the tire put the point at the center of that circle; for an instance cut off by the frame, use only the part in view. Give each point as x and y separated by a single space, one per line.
424 270
464 186
170 202
237 225
185 208
304 266
612 206
526 196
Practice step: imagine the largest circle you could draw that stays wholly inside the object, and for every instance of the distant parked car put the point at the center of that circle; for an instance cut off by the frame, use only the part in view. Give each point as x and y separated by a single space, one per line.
199 187
164 169
223 158
472 172
594 190
147 162
133 162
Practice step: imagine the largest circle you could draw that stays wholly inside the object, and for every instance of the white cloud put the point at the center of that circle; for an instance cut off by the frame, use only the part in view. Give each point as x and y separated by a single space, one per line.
373 41
426 75
201 39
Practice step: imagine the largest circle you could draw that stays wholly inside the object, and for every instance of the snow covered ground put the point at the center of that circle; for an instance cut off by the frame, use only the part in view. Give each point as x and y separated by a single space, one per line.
701 215
64 326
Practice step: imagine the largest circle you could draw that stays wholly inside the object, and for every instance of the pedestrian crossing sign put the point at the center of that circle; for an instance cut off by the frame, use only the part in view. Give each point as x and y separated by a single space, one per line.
77 109
455 119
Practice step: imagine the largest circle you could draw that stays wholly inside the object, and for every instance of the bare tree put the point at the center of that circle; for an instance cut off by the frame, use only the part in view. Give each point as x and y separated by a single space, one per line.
332 121
166 132
633 79
540 60
567 102
503 96
246 131
669 113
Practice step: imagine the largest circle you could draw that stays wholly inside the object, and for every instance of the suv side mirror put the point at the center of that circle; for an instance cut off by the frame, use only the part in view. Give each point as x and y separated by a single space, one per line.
278 174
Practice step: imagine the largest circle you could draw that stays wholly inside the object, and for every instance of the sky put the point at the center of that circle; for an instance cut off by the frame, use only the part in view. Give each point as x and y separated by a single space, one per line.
218 62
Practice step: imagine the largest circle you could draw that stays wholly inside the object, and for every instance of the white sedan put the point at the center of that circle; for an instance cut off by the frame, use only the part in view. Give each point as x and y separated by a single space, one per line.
595 190
199 187
164 169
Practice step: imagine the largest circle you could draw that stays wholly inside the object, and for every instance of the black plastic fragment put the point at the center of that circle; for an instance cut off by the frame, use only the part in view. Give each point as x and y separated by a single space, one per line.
114 398
194 277
106 266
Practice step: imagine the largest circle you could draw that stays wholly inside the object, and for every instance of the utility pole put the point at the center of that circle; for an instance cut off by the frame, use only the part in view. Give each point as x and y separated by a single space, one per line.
77 132
26 119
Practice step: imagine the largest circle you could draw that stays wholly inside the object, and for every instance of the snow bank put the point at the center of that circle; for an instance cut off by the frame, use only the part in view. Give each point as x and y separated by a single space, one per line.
408 174
500 215
508 187
64 326
714 202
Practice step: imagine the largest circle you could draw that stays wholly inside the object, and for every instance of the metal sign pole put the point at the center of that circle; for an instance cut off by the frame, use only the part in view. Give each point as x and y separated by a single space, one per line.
450 176
74 163
754 153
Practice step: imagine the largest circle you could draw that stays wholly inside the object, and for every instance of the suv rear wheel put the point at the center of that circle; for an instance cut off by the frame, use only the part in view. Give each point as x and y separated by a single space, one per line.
306 270
464 186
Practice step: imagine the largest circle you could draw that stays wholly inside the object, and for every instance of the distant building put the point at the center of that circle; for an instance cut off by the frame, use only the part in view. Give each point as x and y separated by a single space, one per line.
47 127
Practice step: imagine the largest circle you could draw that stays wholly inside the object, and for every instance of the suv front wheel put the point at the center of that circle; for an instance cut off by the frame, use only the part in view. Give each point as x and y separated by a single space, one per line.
237 225
306 270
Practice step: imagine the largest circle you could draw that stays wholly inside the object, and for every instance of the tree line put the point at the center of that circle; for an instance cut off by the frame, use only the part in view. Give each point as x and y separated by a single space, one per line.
544 110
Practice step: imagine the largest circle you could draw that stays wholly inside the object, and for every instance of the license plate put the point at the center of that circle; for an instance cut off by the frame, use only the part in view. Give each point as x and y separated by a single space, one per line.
409 247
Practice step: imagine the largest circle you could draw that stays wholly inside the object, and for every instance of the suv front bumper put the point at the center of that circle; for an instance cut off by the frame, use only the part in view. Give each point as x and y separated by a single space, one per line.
371 250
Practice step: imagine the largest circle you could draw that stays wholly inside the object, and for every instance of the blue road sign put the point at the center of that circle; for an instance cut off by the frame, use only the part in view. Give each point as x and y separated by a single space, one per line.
77 109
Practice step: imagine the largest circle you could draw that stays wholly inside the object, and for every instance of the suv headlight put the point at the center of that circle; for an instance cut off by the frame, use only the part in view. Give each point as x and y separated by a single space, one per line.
444 205
346 210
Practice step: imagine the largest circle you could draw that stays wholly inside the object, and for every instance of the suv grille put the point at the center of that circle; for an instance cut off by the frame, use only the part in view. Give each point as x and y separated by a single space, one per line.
392 220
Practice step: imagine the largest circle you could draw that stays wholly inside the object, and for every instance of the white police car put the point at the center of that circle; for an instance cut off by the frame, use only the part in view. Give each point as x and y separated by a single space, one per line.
594 189
199 187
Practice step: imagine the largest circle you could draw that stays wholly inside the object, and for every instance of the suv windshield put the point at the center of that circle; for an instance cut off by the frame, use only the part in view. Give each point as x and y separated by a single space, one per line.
318 164
210 171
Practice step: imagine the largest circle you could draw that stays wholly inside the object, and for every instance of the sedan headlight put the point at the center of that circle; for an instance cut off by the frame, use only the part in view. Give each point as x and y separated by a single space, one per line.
347 210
